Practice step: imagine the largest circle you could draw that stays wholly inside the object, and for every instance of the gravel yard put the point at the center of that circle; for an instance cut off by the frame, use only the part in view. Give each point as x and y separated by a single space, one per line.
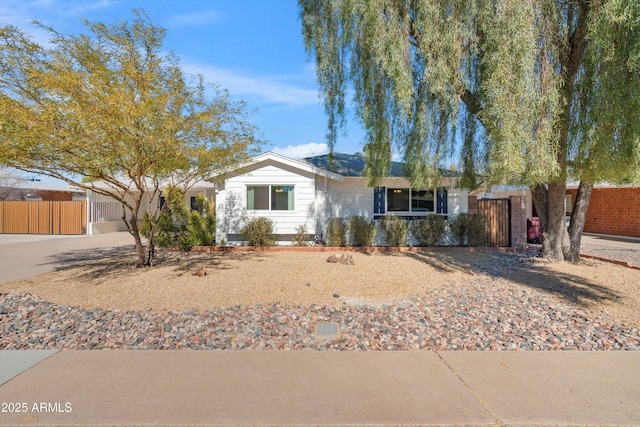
267 300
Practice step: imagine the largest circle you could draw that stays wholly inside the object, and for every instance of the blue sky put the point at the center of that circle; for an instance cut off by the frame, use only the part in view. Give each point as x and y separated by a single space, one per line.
252 48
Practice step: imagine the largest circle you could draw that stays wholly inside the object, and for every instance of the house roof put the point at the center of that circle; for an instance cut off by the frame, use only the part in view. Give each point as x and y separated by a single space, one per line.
297 164
353 165
43 186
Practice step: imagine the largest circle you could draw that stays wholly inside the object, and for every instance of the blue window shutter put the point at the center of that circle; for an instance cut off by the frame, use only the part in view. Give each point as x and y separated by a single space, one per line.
442 198
379 200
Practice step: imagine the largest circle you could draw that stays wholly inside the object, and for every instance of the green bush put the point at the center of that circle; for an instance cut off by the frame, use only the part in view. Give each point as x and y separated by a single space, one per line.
429 230
394 230
177 227
171 224
469 229
301 238
337 232
258 232
361 230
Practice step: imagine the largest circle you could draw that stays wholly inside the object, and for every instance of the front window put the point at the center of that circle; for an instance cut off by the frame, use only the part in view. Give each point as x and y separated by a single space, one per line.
398 200
409 200
421 201
271 197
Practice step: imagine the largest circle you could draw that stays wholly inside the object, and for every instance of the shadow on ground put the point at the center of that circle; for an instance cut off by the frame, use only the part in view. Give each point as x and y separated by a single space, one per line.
523 268
97 264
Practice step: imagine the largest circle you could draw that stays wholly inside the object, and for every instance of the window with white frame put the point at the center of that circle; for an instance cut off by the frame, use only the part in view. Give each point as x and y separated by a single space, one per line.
271 197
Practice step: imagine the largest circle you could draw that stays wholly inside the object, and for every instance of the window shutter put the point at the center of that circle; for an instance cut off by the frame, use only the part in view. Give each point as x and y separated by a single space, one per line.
442 198
379 200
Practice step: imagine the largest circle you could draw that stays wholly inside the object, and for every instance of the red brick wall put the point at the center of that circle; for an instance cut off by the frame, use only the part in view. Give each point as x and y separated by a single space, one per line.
613 211
54 196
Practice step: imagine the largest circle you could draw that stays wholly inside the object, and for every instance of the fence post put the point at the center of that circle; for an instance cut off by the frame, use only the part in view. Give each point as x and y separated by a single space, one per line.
472 204
518 221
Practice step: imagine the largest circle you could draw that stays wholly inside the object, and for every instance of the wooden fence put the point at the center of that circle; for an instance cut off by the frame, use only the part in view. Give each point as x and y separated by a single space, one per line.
498 213
18 217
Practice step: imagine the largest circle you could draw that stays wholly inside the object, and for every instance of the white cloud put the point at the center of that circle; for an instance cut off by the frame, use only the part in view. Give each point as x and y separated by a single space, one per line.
269 89
302 150
196 18
83 7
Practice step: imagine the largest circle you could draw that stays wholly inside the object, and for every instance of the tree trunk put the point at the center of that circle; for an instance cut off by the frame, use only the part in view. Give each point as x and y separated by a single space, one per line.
555 236
578 217
135 232
539 196
132 227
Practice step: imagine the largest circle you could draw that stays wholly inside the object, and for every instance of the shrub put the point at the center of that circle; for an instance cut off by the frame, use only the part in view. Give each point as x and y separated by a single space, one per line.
394 230
429 230
258 232
469 229
361 230
177 227
301 238
337 232
171 224
201 225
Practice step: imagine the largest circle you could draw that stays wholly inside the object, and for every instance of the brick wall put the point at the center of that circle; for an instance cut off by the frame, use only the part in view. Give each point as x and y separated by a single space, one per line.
56 196
613 211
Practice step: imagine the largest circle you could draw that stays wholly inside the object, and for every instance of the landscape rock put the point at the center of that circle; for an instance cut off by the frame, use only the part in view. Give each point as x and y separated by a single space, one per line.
484 314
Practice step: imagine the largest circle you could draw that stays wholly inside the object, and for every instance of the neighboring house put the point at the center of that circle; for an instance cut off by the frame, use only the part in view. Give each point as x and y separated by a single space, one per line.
613 210
37 191
311 191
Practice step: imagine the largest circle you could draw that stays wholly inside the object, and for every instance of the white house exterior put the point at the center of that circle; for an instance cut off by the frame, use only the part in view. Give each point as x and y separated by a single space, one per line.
272 186
293 193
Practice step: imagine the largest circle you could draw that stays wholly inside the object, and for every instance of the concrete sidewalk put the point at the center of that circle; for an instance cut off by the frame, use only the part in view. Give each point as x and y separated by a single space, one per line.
320 388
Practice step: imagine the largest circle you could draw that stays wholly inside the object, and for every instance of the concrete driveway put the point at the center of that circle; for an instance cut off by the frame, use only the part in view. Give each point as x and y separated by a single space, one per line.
24 255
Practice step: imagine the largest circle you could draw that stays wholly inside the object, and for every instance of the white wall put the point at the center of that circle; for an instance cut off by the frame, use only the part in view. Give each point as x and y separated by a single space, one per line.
231 212
353 197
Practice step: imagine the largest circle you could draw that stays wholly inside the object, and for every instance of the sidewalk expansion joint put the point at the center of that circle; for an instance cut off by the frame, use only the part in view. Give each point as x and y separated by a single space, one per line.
472 391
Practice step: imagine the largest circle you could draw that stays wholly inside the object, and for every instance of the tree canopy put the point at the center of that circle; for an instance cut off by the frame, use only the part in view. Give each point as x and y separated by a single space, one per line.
527 91
111 112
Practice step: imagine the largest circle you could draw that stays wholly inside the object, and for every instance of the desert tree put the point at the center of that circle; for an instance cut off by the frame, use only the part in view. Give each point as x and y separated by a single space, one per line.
532 92
111 112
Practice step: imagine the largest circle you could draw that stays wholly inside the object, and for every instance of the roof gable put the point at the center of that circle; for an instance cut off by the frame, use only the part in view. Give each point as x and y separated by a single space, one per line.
277 158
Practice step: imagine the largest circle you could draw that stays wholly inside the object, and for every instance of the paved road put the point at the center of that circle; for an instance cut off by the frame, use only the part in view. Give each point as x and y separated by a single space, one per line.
614 248
23 255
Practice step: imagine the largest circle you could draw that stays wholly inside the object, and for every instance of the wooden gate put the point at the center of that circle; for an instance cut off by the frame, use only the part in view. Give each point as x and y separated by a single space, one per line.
17 217
498 213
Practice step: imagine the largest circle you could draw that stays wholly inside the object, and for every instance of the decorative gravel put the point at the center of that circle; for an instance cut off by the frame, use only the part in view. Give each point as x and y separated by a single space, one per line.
485 313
